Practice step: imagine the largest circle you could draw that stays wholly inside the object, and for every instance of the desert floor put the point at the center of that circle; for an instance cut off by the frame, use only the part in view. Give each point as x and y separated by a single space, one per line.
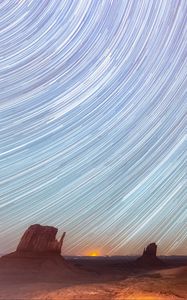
103 279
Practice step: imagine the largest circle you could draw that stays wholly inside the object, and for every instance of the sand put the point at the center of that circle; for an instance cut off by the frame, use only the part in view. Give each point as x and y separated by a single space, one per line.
114 281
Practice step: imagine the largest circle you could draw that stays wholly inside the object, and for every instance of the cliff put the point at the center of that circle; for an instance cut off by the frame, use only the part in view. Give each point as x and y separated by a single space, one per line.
38 239
149 258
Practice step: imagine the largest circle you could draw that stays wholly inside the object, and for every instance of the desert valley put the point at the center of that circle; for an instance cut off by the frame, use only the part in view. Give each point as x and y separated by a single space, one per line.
37 270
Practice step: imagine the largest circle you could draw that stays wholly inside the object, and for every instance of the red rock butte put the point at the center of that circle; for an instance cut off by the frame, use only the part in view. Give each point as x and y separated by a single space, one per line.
150 250
38 238
149 258
38 253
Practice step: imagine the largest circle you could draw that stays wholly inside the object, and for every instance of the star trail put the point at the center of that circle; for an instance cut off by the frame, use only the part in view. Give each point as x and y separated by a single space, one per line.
92 123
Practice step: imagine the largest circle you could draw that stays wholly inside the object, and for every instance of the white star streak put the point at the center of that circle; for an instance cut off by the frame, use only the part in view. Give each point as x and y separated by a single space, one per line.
92 123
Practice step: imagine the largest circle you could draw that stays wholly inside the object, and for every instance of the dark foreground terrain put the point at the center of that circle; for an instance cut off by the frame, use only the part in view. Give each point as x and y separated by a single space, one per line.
95 278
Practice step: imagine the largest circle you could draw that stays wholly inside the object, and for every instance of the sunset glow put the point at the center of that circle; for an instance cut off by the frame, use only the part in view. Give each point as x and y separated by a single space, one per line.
94 253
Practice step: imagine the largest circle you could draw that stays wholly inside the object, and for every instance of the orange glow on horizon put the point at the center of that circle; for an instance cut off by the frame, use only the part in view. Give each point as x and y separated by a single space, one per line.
94 253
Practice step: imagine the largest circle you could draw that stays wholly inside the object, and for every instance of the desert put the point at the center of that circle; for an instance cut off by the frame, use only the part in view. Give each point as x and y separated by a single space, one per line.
34 272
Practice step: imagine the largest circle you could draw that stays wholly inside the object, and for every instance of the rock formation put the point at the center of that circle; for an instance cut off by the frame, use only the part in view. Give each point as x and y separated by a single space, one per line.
38 257
38 238
150 250
40 241
149 258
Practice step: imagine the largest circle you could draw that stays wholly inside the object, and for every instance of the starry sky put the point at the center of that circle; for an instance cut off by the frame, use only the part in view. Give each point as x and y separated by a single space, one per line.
92 127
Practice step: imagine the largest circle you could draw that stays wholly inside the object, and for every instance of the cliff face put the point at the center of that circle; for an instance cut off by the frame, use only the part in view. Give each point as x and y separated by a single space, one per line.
150 250
149 258
37 257
38 238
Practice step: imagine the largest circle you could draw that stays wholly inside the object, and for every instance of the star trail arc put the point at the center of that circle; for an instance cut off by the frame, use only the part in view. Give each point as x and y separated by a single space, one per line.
92 124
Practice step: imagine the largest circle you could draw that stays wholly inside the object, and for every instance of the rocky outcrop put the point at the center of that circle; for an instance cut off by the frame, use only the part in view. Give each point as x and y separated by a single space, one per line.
38 238
150 250
38 257
149 258
38 241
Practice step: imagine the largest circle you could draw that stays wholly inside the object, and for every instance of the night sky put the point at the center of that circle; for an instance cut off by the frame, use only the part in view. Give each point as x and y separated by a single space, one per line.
92 127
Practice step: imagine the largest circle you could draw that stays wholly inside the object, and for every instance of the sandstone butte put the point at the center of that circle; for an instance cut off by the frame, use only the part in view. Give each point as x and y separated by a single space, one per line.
149 257
39 240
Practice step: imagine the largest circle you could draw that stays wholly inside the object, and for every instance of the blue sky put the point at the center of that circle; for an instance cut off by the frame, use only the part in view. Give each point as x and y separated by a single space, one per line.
92 124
